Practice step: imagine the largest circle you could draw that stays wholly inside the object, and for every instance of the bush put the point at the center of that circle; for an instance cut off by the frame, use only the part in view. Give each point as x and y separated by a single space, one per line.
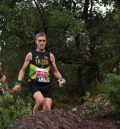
12 108
93 104
112 86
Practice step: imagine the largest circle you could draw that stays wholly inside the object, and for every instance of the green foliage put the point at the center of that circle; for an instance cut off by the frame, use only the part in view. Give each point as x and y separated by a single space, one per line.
12 108
112 85
93 104
89 106
72 86
105 34
64 101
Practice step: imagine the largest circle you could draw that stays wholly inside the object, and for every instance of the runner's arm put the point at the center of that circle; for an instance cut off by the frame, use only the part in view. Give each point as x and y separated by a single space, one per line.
55 71
54 67
25 65
22 71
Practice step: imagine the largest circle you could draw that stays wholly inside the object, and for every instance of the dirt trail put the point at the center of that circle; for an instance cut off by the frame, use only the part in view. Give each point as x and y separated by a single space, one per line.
64 119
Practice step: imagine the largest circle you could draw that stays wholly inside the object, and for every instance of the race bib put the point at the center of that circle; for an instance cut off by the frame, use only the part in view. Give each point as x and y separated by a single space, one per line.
42 75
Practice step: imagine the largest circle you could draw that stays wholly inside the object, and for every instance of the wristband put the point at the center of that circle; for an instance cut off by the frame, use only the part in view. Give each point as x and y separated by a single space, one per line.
18 82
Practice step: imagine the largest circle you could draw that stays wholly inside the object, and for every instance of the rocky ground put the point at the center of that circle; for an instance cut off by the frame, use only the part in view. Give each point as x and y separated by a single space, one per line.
65 119
95 113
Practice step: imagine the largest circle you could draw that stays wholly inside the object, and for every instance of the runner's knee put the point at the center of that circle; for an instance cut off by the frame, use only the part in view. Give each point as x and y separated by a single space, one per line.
48 104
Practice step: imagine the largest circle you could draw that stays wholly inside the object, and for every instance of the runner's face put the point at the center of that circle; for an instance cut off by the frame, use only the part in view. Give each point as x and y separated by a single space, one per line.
41 42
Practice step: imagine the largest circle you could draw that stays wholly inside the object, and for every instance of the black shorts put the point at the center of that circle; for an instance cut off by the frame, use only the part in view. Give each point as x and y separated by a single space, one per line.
44 88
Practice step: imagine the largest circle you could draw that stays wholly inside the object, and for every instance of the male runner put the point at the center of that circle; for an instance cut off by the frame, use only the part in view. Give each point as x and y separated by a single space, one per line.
40 62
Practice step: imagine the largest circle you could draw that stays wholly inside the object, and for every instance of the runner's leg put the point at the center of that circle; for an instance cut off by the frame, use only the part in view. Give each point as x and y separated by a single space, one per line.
47 104
39 99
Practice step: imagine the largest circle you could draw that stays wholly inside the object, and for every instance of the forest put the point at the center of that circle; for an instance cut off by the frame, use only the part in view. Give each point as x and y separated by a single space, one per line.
84 36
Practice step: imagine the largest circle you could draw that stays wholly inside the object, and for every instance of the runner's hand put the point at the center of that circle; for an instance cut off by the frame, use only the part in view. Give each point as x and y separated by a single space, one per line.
16 88
61 82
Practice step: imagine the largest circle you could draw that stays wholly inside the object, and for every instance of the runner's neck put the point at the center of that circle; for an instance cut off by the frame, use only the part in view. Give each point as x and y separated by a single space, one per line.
39 50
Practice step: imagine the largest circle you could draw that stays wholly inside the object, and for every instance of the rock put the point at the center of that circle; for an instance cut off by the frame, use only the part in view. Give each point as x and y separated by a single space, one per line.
60 119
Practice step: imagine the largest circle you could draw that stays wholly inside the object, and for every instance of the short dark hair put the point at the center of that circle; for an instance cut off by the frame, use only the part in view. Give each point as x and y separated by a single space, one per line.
40 34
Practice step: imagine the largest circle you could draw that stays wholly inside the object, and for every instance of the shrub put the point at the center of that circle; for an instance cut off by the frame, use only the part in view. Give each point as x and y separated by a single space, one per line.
94 104
12 108
112 86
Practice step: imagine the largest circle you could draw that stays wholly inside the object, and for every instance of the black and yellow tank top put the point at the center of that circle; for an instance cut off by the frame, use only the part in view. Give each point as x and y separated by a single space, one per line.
39 69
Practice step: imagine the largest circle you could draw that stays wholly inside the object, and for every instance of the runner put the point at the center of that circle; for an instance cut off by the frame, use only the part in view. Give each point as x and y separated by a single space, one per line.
40 61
